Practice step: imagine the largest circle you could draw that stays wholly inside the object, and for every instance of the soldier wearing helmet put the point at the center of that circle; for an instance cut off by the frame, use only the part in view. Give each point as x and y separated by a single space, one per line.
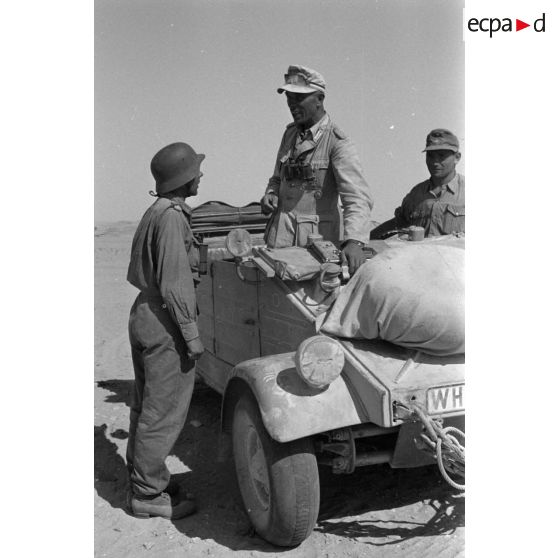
163 333
316 166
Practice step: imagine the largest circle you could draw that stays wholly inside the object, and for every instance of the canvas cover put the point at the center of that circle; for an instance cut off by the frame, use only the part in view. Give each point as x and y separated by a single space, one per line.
412 294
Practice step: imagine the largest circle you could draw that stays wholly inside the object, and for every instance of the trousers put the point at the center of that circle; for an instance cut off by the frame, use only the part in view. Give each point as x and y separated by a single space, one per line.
164 382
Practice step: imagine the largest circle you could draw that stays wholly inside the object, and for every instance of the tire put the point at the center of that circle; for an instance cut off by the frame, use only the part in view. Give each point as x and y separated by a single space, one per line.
279 483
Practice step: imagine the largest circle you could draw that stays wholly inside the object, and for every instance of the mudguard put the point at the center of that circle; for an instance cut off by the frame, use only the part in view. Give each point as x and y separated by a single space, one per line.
290 408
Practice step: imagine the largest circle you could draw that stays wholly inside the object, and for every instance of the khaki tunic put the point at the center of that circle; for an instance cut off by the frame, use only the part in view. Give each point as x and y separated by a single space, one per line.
439 213
164 261
305 206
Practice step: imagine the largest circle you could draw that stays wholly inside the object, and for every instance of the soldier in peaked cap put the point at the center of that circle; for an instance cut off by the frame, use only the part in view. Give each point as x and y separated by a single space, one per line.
316 166
437 204
163 333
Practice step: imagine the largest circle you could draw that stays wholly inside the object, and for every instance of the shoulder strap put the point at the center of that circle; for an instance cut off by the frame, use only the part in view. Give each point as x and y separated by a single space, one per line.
339 134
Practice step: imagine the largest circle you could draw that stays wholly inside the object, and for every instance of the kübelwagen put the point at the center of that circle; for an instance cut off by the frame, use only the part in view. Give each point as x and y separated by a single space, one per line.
294 397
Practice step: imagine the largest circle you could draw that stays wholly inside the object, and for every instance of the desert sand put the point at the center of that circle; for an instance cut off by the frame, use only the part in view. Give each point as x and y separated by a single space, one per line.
376 511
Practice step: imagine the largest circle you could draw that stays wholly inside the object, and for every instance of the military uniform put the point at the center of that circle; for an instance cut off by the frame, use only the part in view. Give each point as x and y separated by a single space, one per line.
163 266
311 174
439 210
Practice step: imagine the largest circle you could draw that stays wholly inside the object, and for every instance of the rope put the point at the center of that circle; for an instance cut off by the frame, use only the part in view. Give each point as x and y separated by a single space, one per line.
448 451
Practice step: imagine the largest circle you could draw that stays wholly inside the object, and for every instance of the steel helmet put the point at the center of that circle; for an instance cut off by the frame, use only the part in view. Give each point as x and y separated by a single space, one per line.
175 165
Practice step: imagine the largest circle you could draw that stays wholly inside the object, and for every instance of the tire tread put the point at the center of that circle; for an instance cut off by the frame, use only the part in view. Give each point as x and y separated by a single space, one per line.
294 460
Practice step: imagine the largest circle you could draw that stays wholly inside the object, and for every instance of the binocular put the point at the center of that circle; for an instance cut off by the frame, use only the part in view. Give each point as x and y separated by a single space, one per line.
302 171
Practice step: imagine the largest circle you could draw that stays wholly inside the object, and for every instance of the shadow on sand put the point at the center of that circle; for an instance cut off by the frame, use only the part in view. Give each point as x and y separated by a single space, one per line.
111 477
381 488
220 515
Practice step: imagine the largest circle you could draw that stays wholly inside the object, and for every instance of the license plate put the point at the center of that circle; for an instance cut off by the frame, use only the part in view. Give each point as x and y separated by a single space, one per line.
445 399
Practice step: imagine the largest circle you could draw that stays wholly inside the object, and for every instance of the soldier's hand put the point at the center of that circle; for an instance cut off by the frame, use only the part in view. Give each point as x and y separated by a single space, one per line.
353 254
195 348
269 202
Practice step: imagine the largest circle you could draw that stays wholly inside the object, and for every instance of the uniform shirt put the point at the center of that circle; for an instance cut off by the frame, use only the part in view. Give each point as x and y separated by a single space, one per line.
439 210
340 173
164 261
312 134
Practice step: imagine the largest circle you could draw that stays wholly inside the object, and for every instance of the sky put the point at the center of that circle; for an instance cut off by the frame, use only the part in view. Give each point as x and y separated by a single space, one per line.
206 72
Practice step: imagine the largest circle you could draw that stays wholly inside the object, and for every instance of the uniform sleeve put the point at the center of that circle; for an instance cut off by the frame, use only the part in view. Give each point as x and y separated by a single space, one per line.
355 193
403 212
174 275
400 215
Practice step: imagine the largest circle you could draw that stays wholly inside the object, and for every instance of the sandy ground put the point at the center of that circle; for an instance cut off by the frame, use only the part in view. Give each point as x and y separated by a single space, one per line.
376 511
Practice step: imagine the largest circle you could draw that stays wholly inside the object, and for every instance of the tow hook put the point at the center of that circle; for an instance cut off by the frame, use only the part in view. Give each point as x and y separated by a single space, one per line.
401 412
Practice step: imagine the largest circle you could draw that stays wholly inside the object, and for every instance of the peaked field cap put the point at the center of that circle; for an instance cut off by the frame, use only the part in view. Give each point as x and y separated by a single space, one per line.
174 166
439 139
300 79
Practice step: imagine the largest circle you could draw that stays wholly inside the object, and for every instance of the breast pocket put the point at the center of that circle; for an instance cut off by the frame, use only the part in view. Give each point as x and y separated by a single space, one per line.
305 226
454 219
320 167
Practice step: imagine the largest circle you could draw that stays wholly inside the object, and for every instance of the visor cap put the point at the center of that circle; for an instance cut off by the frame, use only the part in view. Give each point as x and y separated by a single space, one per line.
300 79
439 139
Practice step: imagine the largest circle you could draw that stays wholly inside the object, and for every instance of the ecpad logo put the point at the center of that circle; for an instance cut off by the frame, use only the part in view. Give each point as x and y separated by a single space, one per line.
494 24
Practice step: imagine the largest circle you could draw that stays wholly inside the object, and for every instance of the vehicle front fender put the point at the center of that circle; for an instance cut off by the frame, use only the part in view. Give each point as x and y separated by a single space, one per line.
290 408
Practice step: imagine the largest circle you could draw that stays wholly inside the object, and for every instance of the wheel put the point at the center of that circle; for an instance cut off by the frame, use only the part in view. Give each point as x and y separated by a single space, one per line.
279 483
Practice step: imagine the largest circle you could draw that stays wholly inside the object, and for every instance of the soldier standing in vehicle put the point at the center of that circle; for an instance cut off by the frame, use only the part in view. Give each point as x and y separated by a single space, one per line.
316 165
437 204
163 333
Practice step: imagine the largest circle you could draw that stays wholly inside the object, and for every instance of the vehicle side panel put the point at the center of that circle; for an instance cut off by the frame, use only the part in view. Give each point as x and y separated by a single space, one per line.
213 371
282 327
206 322
235 304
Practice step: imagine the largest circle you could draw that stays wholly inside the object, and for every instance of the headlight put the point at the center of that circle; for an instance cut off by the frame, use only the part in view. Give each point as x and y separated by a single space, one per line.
239 243
319 360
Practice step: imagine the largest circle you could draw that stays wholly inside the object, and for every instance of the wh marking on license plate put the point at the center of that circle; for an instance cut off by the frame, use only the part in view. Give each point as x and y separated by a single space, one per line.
445 399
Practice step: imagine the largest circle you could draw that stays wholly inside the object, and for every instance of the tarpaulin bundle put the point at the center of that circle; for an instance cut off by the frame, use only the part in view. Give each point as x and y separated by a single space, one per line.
412 295
219 214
